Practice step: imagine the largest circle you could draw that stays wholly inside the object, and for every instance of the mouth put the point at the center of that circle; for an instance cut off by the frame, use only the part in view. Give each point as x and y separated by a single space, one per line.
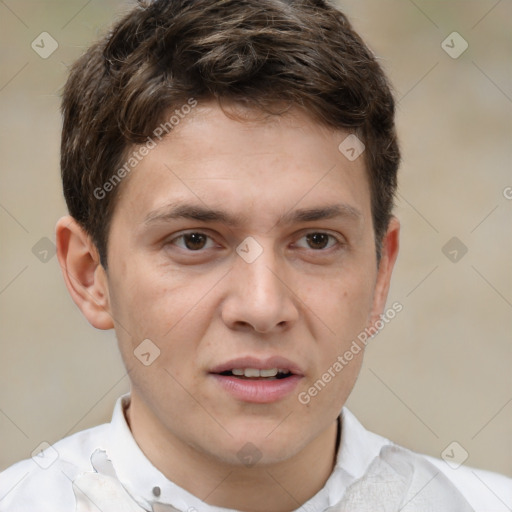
257 380
255 374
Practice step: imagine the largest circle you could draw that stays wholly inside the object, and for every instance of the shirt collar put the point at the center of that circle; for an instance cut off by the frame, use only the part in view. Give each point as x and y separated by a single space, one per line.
147 484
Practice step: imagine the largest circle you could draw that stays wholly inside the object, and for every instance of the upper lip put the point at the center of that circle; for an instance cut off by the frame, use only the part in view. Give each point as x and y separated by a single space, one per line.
259 364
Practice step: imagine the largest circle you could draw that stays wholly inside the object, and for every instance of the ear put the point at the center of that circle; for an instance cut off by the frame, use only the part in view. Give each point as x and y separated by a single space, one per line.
83 273
389 253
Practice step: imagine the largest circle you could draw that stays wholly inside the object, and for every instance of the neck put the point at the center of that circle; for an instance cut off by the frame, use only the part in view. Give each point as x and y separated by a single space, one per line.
280 487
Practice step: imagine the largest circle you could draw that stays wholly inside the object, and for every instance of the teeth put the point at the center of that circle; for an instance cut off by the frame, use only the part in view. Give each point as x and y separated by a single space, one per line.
254 372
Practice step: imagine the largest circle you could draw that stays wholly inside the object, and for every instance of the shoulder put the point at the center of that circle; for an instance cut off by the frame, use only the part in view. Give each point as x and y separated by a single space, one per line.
484 490
44 482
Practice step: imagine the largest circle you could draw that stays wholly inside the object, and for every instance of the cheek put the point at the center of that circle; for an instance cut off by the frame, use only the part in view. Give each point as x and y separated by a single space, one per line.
340 302
340 311
166 306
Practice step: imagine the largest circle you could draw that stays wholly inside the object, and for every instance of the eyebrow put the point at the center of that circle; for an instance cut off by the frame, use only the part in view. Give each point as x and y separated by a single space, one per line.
204 214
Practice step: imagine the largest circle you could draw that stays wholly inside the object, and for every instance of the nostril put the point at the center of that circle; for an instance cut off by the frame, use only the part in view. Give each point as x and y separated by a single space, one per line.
243 325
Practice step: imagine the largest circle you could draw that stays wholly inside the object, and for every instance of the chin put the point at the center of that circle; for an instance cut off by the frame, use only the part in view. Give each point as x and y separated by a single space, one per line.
262 446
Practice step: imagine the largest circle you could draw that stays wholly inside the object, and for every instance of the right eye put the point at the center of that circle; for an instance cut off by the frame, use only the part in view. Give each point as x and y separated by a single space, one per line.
193 241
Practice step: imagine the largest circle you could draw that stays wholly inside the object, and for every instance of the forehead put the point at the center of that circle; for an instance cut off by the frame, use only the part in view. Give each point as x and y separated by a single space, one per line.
256 168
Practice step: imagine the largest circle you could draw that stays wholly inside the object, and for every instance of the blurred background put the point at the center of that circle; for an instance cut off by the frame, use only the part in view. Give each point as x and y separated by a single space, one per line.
440 372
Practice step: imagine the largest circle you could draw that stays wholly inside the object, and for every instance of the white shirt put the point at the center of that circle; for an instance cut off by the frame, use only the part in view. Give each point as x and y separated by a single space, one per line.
45 482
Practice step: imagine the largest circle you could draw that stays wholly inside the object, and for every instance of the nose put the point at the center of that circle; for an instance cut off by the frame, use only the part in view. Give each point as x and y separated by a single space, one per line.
260 297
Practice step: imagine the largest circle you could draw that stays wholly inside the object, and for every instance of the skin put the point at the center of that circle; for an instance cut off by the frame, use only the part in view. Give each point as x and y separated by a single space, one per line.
304 299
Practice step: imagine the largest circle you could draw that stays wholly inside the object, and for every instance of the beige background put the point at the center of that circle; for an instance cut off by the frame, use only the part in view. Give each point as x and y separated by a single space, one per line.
441 371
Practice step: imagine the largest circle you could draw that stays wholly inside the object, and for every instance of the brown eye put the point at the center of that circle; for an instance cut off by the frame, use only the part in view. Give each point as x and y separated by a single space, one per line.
318 240
195 241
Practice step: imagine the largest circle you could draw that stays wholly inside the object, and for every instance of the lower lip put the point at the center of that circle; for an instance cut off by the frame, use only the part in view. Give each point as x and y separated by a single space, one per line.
258 391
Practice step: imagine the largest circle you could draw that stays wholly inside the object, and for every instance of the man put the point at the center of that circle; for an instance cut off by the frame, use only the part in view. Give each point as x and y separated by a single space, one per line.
229 169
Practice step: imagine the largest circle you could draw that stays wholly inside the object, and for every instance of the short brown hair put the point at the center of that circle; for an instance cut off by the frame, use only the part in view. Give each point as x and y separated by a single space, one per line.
259 53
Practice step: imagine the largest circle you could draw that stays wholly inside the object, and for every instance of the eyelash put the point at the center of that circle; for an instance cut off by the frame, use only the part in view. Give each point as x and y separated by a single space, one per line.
337 242
183 235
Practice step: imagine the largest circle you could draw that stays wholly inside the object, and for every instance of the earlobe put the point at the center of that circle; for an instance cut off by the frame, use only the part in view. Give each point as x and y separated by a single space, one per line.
83 273
389 253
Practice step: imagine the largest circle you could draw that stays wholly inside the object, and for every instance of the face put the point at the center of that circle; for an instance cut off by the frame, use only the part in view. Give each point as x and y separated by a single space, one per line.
237 247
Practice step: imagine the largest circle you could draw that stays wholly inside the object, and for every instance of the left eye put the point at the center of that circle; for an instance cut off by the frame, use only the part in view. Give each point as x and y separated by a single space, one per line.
193 241
317 241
